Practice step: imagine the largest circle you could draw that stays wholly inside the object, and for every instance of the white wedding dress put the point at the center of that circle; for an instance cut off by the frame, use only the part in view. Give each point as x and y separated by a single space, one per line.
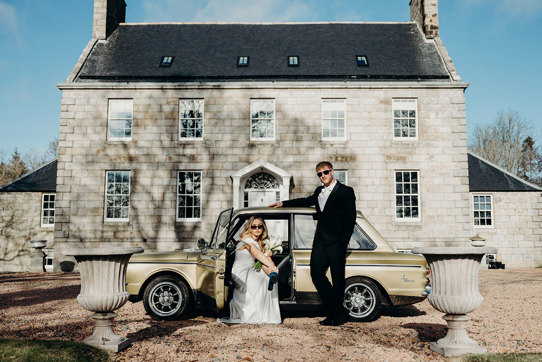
251 303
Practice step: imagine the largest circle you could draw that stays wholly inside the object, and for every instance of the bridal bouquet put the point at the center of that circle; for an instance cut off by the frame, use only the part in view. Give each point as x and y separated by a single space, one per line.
273 244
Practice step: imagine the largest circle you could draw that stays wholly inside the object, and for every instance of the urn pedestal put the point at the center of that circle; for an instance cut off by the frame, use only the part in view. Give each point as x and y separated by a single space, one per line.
37 260
103 290
454 291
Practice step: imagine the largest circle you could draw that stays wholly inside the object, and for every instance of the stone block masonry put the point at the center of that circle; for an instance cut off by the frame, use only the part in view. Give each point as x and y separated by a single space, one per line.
20 222
370 155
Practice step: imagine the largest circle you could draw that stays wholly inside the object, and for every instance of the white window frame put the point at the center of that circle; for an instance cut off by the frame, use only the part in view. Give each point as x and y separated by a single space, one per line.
110 137
345 175
121 219
192 219
43 209
274 119
491 210
411 105
192 139
324 108
49 255
418 194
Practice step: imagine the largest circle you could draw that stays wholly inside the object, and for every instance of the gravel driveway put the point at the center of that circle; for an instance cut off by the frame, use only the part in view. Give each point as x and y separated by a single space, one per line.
44 306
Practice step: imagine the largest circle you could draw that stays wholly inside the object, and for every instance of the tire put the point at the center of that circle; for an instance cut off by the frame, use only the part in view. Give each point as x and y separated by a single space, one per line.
362 299
166 298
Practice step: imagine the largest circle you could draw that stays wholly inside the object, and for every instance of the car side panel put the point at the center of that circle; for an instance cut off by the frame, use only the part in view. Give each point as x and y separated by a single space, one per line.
398 274
139 272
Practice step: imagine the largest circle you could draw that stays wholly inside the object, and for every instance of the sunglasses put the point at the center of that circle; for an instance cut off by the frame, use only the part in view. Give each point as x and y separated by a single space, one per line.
326 172
256 227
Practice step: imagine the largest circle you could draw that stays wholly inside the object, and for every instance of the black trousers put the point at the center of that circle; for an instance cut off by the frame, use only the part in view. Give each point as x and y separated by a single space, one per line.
333 257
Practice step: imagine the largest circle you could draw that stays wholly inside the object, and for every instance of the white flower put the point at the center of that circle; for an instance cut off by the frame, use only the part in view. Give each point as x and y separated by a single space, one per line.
274 244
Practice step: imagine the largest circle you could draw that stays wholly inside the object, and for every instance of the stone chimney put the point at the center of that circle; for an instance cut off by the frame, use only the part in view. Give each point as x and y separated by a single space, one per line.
425 13
108 14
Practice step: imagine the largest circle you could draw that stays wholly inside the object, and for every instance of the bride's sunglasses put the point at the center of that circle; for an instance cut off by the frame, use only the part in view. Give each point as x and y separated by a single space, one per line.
326 172
256 227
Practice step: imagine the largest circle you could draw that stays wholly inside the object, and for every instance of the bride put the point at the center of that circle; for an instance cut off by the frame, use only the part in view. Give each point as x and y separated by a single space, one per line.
254 298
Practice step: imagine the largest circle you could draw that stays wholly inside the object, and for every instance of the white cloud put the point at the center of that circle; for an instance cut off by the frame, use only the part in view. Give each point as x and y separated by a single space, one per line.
8 18
228 10
509 9
520 9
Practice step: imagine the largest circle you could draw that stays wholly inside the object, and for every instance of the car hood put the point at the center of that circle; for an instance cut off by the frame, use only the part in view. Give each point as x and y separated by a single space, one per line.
166 256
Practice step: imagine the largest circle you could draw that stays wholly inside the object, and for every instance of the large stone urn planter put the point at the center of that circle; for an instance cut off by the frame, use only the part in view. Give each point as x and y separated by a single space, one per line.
103 290
454 291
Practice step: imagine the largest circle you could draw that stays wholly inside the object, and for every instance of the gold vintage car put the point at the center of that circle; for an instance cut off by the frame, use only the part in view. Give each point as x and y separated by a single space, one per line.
170 283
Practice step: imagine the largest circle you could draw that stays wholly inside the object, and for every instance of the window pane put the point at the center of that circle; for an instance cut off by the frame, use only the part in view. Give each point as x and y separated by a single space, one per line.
305 227
120 117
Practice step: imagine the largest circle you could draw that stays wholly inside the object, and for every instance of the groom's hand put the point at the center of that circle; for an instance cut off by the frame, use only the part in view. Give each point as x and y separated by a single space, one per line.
276 205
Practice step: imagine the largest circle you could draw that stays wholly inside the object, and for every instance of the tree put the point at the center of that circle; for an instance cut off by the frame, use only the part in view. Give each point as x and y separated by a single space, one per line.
14 169
530 167
502 142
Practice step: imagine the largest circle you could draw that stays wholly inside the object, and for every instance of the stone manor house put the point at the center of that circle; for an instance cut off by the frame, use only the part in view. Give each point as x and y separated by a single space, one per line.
164 125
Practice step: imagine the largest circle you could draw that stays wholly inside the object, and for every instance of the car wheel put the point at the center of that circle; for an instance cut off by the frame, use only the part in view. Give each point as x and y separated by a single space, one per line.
362 299
166 298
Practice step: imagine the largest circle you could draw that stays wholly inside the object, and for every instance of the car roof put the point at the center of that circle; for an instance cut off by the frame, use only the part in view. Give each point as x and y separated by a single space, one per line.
279 210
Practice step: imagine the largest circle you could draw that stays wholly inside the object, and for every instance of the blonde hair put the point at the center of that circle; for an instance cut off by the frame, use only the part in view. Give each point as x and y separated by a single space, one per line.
246 230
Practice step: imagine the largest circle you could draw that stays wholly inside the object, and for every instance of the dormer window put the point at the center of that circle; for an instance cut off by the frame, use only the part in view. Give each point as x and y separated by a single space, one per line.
362 61
293 61
166 61
242 61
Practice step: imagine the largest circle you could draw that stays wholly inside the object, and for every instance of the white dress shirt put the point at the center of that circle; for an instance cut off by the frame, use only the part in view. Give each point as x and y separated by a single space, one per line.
324 194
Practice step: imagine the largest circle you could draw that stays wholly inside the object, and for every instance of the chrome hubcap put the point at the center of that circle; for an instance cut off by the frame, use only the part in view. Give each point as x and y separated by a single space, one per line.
165 299
359 300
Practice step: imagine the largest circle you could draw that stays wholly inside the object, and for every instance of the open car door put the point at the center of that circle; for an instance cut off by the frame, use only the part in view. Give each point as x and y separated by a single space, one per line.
212 264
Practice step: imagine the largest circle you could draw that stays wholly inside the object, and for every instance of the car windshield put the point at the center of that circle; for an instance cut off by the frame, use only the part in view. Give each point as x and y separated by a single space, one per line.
222 227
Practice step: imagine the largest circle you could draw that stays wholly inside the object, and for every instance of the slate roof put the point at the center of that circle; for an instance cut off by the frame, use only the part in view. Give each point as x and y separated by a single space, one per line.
41 180
205 52
486 177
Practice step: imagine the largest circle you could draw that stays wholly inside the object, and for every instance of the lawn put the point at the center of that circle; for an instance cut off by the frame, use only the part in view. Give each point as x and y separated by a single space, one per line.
41 350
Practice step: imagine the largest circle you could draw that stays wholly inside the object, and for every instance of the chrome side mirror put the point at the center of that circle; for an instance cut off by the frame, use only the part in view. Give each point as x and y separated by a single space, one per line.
202 245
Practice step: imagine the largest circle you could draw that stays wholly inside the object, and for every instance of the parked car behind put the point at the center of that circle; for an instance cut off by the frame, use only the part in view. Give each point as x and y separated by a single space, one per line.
170 283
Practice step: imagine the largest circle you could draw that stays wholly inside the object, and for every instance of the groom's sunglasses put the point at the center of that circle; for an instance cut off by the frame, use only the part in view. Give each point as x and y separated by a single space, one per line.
326 172
256 226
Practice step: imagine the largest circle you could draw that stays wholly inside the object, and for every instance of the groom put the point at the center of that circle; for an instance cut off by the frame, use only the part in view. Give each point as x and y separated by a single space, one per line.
336 211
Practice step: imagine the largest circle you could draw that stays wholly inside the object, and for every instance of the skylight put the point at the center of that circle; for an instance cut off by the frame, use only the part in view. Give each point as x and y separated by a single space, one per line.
242 61
293 61
362 60
166 61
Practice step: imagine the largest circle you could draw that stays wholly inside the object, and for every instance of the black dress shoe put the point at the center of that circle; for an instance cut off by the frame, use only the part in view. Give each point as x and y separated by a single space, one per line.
327 321
333 321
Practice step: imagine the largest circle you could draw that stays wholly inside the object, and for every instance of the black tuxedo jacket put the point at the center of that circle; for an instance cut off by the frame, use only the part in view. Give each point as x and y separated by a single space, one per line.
336 222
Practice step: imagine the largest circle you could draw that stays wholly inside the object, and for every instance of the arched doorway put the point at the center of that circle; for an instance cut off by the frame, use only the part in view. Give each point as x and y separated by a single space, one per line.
260 184
261 189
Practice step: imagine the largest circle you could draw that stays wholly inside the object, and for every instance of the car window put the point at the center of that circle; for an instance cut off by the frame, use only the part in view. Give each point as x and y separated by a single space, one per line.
277 228
360 240
305 227
220 233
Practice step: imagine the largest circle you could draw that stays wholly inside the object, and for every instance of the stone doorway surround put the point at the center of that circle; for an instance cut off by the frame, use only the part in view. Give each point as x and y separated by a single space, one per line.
240 178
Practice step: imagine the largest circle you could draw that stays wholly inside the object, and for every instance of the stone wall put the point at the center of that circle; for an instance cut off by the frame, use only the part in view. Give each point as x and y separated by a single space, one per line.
517 229
154 155
20 221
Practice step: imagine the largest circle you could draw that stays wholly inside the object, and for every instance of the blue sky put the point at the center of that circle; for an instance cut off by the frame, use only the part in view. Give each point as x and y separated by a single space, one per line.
495 45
